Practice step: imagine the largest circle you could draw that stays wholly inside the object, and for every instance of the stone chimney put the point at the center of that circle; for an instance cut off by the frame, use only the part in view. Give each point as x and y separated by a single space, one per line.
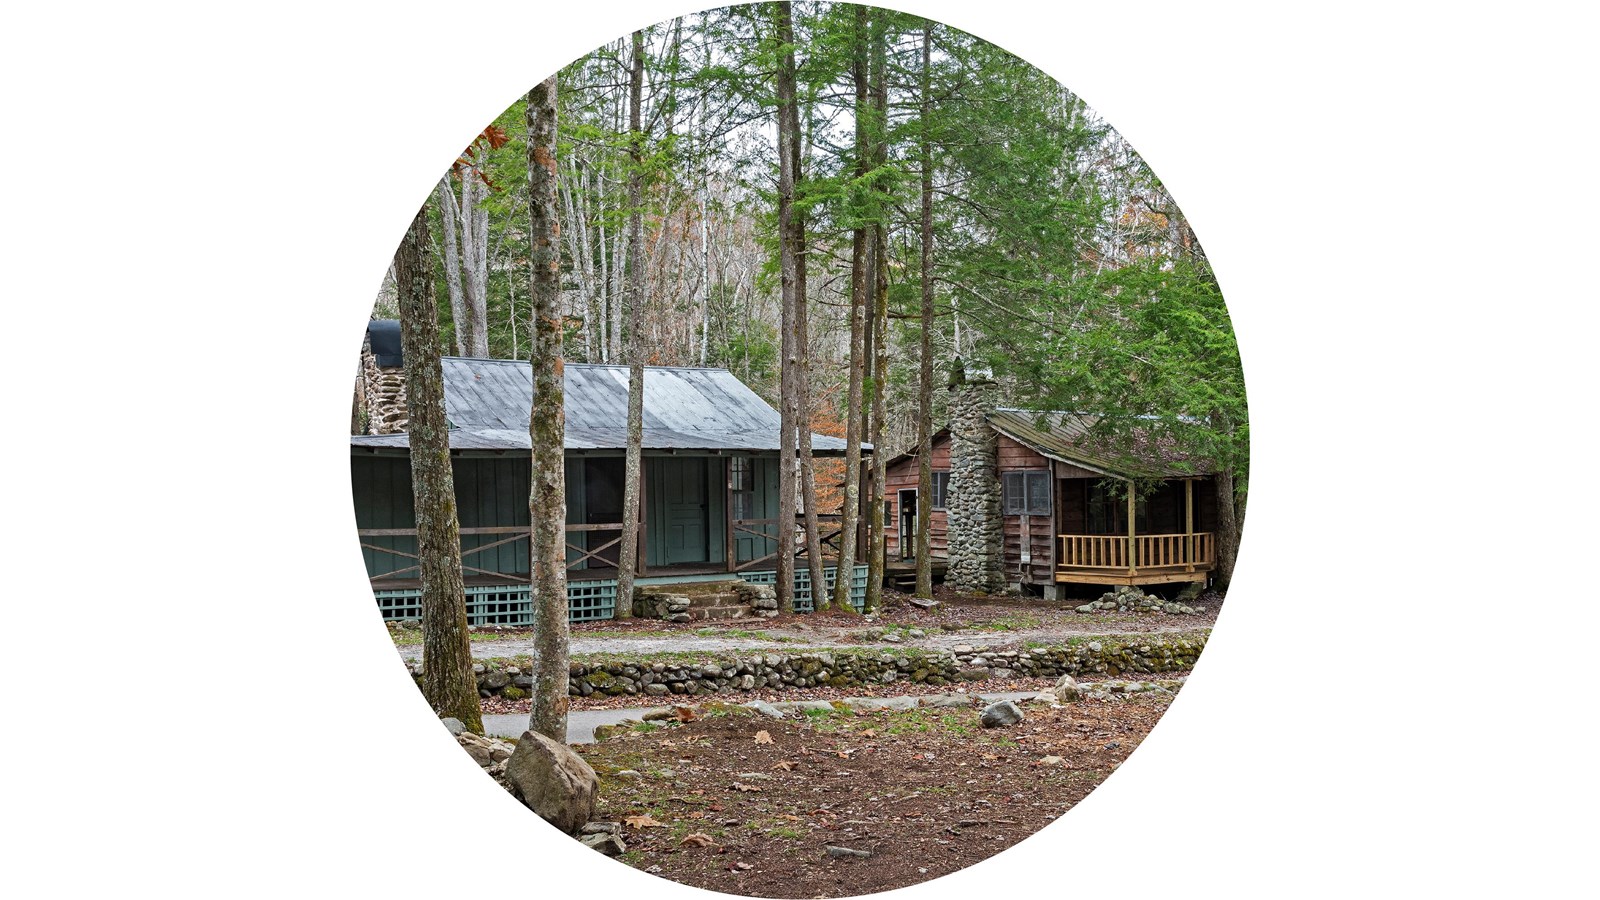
382 391
973 501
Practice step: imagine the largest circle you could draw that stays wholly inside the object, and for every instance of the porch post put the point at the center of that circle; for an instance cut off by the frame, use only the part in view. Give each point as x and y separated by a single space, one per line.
1188 523
644 494
1133 554
727 510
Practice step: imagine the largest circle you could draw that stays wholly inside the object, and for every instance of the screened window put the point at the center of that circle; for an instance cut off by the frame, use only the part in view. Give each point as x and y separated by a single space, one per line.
1026 493
741 482
1108 510
941 483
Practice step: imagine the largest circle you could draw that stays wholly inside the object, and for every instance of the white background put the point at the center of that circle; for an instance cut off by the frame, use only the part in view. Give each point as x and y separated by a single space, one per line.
201 200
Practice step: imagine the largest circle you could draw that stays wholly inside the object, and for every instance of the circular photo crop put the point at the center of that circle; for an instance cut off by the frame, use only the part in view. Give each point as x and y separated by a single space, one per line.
799 449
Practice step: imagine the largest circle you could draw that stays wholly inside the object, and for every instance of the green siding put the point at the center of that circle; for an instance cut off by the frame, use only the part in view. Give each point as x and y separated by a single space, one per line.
493 491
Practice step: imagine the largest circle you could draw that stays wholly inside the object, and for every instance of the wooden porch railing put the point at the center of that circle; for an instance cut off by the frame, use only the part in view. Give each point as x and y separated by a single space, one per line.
1144 551
513 532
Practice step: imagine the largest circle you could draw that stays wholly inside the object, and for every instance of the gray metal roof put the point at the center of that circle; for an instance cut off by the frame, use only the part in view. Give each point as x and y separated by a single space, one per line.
487 402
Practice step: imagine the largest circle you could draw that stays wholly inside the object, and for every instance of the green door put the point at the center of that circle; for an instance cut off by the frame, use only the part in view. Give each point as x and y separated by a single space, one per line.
684 483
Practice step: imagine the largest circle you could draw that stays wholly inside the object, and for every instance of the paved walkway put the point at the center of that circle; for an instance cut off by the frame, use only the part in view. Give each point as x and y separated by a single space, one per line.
581 723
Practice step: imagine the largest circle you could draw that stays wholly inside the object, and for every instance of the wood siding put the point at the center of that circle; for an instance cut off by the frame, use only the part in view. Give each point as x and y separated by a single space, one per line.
903 476
1036 533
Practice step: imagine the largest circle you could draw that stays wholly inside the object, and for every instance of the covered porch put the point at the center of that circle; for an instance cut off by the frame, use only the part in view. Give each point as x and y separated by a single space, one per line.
1137 555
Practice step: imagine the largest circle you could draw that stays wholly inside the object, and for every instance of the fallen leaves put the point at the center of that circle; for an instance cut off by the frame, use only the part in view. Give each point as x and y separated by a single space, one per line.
762 737
697 840
684 713
745 788
644 821
784 764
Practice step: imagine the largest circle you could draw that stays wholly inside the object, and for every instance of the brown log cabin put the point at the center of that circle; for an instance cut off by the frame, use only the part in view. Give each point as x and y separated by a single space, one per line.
1068 517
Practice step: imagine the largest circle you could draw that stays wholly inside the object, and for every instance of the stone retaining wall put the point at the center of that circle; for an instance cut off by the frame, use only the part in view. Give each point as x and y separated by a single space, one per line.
1105 658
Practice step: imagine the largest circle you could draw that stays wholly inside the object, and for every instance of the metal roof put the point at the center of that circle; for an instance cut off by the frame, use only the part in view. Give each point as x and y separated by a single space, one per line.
487 403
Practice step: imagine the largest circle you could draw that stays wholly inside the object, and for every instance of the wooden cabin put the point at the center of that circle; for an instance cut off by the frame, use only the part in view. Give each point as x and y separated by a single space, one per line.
709 482
1067 515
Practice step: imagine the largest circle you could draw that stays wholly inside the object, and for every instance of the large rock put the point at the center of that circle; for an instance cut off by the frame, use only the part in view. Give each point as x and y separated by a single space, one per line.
1000 715
1066 689
553 781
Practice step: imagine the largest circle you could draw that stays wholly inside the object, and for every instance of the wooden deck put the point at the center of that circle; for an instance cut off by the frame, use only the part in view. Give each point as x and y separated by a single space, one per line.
1137 559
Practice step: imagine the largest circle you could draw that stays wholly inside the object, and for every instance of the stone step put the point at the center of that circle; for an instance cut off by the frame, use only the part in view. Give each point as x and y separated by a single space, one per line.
720 613
723 598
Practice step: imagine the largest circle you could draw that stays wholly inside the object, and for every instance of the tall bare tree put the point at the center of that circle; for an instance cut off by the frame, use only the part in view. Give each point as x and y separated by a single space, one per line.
449 219
925 354
788 253
447 679
880 326
860 260
628 558
547 499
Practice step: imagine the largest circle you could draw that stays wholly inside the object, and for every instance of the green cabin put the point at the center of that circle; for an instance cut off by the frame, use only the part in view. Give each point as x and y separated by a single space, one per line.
709 479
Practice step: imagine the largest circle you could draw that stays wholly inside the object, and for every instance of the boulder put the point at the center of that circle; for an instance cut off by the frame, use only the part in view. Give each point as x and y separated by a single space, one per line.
1066 689
553 781
1000 715
454 725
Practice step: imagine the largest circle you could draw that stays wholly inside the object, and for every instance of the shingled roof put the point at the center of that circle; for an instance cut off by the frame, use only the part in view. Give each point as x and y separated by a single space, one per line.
487 403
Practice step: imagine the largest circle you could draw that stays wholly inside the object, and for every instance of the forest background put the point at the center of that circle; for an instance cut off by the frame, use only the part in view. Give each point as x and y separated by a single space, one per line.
1007 225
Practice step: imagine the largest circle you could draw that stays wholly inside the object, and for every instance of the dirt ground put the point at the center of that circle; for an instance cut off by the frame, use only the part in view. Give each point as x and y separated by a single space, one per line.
745 804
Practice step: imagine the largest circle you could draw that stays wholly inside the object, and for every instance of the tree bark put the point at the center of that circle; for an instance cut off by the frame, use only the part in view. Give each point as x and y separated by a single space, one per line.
808 472
1228 529
475 257
447 679
860 258
924 549
880 329
547 499
628 558
448 218
788 134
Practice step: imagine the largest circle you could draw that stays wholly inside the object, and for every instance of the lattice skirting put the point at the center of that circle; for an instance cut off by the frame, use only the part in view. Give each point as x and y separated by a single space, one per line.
587 601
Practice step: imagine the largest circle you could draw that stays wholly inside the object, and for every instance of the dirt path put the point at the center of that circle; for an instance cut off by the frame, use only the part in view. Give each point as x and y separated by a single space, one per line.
793 640
956 622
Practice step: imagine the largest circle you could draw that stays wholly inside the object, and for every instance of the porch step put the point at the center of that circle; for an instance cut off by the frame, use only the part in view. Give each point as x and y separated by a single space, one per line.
721 598
718 613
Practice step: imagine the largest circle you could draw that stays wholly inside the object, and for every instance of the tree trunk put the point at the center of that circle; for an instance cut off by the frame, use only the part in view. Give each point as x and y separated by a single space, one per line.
475 257
628 558
547 501
925 375
860 254
880 370
880 328
448 217
1228 528
447 679
808 472
788 135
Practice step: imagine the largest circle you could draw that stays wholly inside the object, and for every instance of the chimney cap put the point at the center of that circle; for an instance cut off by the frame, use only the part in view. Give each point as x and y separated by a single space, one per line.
384 336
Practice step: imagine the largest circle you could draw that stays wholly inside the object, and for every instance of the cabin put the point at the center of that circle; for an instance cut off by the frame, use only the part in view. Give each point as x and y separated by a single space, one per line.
709 482
1022 501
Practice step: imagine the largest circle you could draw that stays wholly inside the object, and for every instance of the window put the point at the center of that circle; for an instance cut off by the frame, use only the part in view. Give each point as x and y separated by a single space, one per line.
941 483
741 482
1108 509
1026 493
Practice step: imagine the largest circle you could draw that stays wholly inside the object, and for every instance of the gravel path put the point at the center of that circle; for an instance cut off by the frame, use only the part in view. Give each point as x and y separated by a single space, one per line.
795 640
